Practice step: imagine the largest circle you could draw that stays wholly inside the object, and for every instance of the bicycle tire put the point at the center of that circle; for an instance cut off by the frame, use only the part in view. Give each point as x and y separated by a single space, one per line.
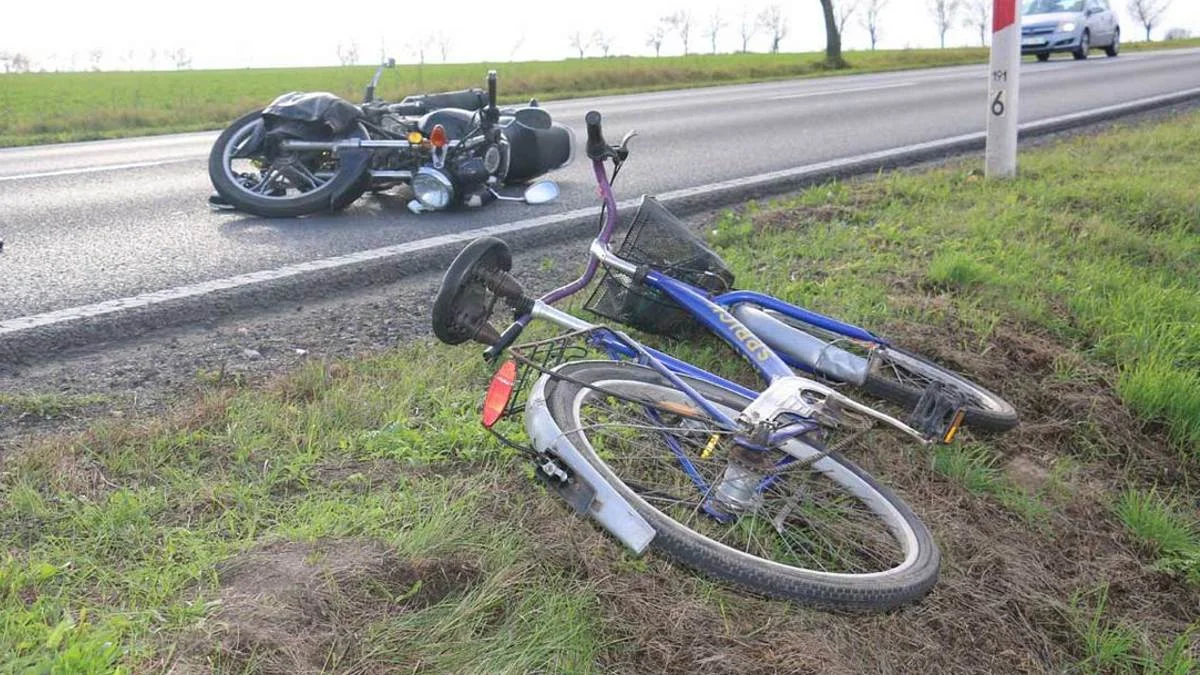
871 591
992 413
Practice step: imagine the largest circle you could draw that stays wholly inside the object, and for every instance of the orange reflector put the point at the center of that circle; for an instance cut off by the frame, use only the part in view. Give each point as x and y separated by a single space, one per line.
438 136
954 426
415 137
498 393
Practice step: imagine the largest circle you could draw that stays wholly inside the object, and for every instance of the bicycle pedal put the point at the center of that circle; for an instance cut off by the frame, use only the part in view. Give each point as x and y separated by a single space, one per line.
939 413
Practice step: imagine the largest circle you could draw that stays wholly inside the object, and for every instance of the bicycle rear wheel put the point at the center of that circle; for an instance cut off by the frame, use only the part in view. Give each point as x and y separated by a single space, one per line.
804 525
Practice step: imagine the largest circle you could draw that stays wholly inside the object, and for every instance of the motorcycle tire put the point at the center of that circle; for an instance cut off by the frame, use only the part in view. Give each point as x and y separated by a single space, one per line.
349 182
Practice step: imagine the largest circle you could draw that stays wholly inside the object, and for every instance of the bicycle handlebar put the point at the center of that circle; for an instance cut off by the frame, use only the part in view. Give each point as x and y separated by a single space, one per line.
597 148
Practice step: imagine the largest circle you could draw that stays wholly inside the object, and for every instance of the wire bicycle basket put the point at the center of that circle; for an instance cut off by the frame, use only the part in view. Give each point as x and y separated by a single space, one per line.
659 240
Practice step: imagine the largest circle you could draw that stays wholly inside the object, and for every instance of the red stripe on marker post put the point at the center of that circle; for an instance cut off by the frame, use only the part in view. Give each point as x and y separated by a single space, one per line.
1004 14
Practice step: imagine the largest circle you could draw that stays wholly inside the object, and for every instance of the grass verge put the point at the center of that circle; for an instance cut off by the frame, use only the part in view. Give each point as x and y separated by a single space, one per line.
353 517
58 107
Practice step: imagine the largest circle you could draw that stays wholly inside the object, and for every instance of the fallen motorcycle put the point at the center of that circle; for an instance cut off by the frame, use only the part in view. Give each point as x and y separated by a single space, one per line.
311 152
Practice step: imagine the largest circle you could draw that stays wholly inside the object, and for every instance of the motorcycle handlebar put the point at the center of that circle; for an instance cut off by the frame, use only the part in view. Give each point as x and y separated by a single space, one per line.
597 148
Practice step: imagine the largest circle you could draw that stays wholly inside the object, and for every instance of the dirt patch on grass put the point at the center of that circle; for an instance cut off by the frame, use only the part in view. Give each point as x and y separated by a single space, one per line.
293 607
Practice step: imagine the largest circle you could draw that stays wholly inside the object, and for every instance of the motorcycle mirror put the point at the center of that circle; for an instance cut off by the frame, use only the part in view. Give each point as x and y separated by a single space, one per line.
541 192
391 63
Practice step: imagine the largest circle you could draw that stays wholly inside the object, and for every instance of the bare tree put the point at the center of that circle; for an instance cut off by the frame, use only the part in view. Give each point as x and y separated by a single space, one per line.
1148 12
1178 34
95 55
748 28
944 12
419 46
845 10
516 46
602 40
348 54
180 58
979 16
655 38
870 19
715 24
153 59
6 61
579 42
21 63
680 22
444 42
775 24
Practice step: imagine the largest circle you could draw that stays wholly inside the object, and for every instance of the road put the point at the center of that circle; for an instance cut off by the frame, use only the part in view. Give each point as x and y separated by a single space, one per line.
89 222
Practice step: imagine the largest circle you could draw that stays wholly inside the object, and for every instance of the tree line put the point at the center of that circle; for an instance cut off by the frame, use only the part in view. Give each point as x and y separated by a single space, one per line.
772 22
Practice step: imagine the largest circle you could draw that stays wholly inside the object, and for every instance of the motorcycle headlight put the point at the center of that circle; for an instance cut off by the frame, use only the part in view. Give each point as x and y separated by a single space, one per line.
432 188
1066 27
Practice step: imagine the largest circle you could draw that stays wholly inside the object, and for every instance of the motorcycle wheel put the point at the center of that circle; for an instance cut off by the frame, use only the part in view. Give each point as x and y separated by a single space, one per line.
283 186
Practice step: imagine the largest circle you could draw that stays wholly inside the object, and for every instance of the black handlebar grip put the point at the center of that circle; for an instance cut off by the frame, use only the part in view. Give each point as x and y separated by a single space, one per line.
508 337
492 88
597 148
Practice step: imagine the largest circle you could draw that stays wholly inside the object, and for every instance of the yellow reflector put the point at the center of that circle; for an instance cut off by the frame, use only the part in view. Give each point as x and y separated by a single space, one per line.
415 137
712 445
954 426
498 393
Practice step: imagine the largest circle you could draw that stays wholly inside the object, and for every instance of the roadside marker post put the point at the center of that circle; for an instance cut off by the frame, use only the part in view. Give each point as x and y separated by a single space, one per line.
1004 78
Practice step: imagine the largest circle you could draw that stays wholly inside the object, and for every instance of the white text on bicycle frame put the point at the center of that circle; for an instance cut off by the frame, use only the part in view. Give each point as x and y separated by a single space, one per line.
743 334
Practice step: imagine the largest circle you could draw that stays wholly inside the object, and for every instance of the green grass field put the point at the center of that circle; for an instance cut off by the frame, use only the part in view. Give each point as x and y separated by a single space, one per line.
354 517
57 107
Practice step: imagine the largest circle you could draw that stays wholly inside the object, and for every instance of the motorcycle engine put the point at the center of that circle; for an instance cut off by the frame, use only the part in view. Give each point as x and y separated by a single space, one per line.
394 124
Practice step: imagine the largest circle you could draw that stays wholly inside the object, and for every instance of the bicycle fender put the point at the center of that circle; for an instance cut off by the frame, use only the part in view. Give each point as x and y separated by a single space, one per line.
593 494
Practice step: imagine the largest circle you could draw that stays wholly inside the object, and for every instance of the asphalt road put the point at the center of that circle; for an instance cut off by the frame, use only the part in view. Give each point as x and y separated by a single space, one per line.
90 222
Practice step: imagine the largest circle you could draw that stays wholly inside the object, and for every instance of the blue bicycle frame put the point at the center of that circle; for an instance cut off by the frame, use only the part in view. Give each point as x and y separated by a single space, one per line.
710 312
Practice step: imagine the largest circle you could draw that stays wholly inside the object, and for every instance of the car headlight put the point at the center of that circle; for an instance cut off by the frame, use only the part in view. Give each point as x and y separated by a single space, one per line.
432 188
1066 27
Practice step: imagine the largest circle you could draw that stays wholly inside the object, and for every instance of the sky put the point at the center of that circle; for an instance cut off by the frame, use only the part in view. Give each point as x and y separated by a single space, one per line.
139 34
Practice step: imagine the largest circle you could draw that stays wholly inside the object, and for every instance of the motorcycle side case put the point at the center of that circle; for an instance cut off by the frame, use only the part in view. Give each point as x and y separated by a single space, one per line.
536 145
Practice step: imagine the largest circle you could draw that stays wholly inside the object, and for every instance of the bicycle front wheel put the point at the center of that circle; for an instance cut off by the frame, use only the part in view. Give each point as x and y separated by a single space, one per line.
804 525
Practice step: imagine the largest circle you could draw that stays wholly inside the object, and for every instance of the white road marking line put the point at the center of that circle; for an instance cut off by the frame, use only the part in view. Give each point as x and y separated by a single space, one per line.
831 92
98 169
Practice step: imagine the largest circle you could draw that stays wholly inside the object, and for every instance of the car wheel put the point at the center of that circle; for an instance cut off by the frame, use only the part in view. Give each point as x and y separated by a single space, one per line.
1085 44
1115 48
1043 57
